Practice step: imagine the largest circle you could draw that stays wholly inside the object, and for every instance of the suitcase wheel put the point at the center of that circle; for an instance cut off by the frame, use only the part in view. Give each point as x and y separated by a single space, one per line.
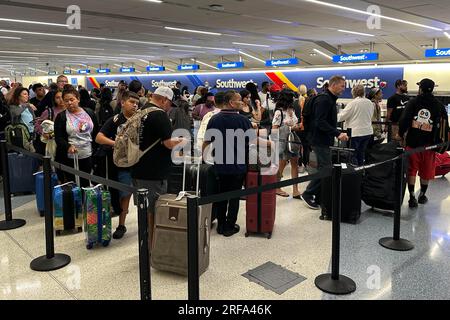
89 246
269 236
80 229
58 232
105 243
247 234
42 213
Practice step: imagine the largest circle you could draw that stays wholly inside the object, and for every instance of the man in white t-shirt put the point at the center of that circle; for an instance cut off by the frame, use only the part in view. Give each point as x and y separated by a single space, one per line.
264 96
219 101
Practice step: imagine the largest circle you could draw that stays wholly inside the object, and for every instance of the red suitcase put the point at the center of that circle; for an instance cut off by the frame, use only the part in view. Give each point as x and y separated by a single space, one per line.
261 219
442 164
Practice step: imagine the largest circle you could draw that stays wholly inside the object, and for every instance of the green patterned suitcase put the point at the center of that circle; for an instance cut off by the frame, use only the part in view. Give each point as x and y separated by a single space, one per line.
97 216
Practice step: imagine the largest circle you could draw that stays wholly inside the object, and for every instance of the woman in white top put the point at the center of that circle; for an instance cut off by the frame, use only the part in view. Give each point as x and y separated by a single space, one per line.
358 116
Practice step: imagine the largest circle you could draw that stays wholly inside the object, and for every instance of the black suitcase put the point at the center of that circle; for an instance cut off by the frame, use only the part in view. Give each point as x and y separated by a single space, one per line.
378 187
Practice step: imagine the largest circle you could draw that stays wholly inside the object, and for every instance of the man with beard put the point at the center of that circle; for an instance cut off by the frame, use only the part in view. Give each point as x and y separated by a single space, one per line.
396 105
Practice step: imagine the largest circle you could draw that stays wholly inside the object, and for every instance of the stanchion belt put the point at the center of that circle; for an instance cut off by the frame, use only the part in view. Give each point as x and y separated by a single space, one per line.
326 172
101 180
422 149
25 152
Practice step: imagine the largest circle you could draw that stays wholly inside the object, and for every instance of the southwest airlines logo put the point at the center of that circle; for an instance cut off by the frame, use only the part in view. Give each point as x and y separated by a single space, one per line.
230 65
156 68
350 83
188 67
436 53
355 57
282 62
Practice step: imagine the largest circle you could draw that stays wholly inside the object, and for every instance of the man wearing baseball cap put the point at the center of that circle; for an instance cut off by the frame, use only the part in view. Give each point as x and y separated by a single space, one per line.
152 170
422 121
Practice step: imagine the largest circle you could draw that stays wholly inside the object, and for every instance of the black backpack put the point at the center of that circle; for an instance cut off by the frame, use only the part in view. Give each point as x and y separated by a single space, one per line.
105 112
308 114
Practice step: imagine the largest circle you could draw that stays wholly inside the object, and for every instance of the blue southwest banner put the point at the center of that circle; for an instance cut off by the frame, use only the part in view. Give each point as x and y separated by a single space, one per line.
382 77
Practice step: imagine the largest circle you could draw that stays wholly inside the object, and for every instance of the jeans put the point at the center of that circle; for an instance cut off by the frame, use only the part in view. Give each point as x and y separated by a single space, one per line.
228 183
324 160
360 145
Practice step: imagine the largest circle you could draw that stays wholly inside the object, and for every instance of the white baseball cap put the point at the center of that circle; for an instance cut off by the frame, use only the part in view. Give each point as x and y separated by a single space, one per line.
164 92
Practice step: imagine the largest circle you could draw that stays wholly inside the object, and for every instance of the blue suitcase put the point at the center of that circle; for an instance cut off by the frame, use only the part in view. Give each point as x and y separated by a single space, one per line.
21 169
39 185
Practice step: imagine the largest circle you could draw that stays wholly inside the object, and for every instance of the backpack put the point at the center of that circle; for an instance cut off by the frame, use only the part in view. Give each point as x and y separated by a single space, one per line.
18 135
105 112
127 150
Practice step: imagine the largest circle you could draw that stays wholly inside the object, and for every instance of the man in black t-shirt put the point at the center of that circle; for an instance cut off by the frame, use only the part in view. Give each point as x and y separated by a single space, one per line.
39 90
396 105
106 137
152 170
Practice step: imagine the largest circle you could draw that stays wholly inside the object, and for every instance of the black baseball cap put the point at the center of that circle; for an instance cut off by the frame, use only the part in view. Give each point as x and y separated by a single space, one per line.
427 85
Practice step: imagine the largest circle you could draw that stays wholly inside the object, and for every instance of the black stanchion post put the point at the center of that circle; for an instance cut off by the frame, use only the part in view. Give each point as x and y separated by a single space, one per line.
193 274
396 243
9 223
335 283
50 261
144 257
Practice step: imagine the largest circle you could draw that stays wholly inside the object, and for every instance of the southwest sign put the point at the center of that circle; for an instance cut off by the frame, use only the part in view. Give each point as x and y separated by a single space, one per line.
156 68
355 57
282 62
84 71
103 70
230 65
188 67
437 53
127 70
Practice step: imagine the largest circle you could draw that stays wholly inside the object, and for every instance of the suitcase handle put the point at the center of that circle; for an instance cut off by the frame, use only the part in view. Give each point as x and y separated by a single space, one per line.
205 248
76 166
198 173
64 184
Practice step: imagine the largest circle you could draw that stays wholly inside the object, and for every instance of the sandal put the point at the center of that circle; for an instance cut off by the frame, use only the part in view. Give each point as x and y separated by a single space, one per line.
282 194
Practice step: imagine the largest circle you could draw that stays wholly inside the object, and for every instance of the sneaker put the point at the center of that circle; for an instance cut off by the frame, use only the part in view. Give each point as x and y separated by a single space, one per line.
119 233
230 232
423 199
413 203
310 203
220 229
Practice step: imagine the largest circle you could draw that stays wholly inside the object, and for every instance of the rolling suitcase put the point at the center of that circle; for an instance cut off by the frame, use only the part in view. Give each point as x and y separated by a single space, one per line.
170 248
351 191
21 170
378 188
442 164
97 216
67 206
260 208
39 185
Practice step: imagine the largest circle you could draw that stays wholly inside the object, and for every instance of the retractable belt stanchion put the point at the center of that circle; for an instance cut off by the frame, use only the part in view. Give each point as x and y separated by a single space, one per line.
192 224
50 261
9 223
144 258
335 283
396 243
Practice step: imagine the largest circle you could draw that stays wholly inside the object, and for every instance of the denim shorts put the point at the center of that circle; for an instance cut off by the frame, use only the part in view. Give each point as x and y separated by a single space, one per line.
156 188
124 177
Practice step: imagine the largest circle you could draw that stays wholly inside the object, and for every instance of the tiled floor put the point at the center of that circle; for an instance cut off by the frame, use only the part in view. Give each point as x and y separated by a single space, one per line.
300 242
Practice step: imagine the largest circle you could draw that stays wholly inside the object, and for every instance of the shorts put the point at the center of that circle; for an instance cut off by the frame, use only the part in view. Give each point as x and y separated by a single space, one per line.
124 177
422 163
156 188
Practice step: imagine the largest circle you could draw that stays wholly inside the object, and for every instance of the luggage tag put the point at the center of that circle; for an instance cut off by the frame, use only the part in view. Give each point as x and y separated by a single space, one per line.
181 195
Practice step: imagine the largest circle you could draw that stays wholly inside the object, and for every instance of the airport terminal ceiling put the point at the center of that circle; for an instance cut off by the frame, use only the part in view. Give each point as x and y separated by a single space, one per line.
35 36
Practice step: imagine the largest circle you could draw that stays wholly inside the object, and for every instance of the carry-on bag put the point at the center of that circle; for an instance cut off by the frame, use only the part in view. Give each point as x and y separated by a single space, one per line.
442 164
260 208
21 170
170 248
39 185
67 207
97 216
378 188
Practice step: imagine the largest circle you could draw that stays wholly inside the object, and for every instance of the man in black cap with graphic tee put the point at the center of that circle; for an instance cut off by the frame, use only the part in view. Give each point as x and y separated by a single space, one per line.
425 123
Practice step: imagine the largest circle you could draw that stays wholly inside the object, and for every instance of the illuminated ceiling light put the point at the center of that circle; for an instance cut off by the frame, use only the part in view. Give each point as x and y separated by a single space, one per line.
11 38
205 64
81 48
250 56
34 22
193 31
193 51
154 1
251 44
323 54
358 33
341 7
447 34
